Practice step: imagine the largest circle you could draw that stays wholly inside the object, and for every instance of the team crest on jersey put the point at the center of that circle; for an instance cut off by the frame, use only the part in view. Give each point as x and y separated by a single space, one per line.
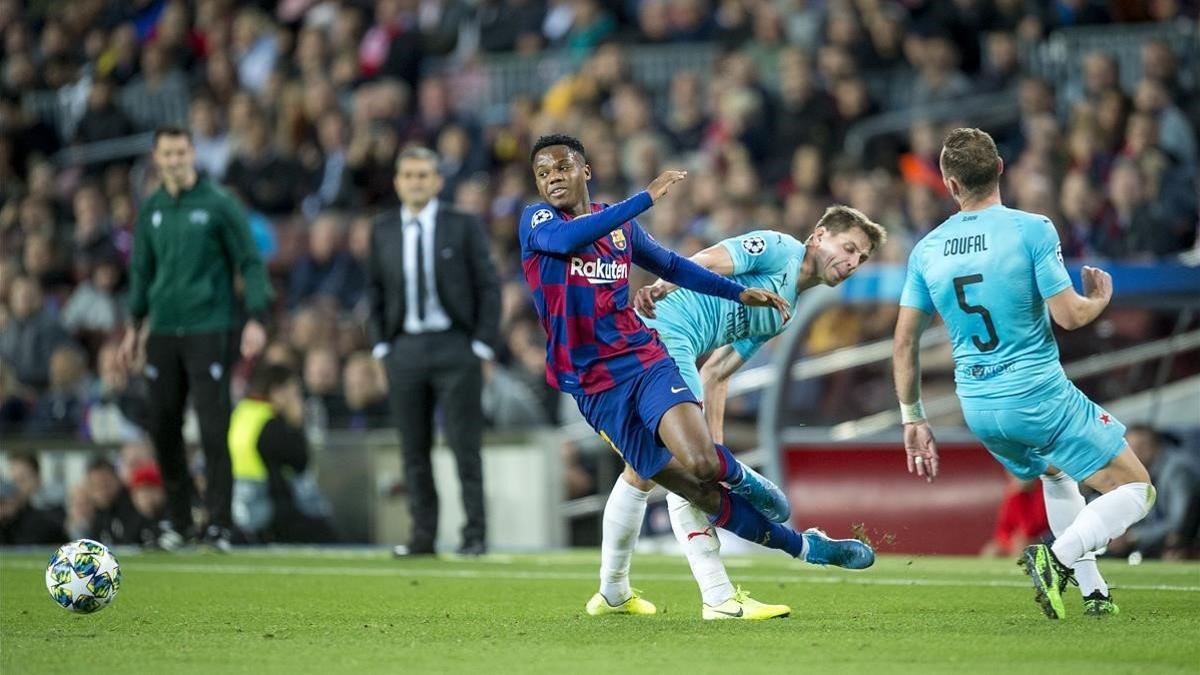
618 239
540 216
754 245
156 218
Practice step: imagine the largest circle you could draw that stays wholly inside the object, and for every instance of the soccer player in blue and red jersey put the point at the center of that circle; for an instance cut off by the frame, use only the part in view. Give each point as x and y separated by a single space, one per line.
576 256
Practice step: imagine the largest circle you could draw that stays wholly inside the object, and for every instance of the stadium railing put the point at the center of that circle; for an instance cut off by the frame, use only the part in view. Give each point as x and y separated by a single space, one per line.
1058 57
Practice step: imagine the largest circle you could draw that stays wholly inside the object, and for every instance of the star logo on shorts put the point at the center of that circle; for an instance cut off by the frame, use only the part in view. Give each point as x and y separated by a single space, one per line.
1105 418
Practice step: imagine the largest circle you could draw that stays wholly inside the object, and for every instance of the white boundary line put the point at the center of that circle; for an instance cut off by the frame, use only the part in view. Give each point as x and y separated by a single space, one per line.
403 571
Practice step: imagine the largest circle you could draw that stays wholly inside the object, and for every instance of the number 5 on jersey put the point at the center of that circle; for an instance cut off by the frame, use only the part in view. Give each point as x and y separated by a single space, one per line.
960 290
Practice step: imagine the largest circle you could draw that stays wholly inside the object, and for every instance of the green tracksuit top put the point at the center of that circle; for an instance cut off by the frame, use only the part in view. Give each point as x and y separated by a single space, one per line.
185 252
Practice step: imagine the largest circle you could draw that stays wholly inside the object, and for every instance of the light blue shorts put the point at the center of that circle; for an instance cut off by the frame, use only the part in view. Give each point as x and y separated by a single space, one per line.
685 359
1066 430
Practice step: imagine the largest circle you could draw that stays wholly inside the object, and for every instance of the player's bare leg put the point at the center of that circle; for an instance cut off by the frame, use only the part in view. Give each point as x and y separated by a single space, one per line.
726 509
1126 498
684 432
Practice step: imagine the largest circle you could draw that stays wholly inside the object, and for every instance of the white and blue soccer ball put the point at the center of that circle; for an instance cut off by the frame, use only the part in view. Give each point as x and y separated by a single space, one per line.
83 576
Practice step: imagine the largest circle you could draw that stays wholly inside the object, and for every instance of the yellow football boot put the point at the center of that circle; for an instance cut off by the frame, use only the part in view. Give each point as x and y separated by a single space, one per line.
636 604
742 606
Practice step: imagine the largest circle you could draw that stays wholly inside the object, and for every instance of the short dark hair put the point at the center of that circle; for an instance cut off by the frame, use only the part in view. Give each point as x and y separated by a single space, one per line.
548 140
173 130
970 157
266 378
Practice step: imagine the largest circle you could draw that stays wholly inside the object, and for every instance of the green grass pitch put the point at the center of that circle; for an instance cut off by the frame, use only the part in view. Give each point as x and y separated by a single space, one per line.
343 611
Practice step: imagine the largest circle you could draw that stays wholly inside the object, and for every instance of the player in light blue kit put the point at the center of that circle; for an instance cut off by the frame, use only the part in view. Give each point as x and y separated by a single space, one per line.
992 272
691 325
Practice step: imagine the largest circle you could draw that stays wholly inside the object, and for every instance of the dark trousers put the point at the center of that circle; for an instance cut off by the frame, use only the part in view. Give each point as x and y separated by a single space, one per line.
177 365
429 372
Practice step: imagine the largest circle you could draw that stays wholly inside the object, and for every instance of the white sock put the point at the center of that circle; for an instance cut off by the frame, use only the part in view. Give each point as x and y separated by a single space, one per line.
698 539
1063 504
623 514
1105 518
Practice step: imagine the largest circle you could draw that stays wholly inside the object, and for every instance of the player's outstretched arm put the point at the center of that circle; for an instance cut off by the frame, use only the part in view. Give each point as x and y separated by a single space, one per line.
714 258
542 229
1072 310
919 443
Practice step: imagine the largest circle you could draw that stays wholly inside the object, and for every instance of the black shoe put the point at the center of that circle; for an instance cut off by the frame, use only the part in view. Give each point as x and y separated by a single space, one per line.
473 548
412 550
218 538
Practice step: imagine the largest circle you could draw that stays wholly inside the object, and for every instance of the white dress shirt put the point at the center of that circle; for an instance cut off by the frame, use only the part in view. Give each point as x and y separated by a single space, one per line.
419 231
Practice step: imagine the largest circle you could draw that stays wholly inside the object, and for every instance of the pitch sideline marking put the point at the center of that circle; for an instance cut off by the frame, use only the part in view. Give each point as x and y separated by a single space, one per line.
851 578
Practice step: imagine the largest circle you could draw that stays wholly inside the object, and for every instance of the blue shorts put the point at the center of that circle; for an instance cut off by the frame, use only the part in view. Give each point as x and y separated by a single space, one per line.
627 415
1066 430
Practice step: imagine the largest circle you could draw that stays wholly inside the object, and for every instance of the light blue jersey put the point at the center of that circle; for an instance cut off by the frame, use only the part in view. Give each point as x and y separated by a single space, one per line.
988 274
691 324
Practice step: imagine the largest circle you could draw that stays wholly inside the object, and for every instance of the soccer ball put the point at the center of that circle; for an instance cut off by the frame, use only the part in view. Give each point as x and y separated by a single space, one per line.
83 576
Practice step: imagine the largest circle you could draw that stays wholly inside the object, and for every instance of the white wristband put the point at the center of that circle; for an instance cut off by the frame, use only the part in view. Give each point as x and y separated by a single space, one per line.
911 412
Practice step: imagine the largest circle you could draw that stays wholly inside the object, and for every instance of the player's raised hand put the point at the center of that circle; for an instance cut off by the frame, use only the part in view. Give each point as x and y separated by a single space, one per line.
921 448
647 296
1097 284
761 297
659 187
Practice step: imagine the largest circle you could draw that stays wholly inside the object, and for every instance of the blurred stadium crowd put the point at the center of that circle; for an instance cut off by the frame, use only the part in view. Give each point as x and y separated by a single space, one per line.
300 107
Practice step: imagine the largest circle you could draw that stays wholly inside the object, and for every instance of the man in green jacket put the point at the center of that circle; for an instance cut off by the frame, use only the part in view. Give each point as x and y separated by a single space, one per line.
191 239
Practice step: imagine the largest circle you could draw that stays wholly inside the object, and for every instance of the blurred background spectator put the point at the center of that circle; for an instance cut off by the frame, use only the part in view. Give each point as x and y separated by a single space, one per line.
1171 529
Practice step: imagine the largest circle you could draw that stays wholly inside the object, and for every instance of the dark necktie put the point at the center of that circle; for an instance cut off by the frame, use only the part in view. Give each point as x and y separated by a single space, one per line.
420 270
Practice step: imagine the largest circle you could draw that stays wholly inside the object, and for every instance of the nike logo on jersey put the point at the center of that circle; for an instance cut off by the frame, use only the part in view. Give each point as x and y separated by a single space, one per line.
676 390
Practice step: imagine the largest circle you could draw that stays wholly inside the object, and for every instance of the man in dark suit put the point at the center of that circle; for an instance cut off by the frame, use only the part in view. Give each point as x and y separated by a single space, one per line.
435 313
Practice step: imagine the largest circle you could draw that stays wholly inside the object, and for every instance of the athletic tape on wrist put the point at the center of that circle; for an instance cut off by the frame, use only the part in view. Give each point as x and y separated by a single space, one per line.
911 412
